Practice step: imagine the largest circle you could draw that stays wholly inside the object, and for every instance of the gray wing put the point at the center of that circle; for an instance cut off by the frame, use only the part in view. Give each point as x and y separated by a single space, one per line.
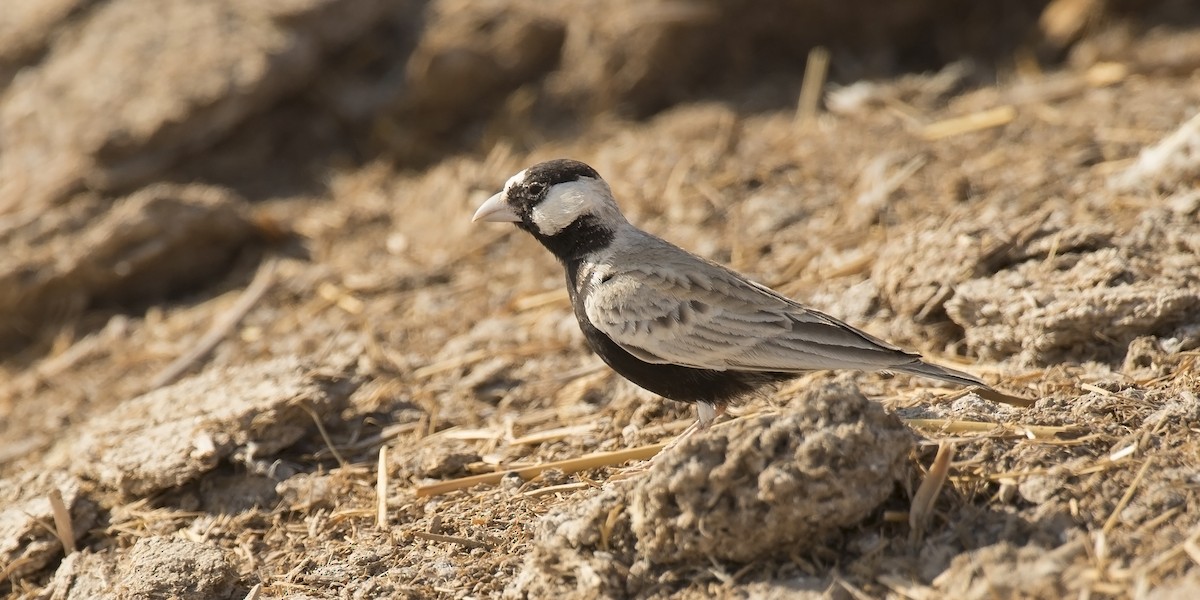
711 318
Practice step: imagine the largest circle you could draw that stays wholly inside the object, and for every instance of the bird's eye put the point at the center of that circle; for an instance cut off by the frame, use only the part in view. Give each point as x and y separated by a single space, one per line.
536 188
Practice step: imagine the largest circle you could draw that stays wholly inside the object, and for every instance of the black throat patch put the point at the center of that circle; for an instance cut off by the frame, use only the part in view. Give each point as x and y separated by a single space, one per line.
582 237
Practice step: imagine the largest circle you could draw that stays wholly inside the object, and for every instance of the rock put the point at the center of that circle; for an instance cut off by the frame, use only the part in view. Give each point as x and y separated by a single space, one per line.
1040 488
646 55
1065 321
108 111
26 27
26 545
439 463
469 59
167 437
92 252
308 492
1144 354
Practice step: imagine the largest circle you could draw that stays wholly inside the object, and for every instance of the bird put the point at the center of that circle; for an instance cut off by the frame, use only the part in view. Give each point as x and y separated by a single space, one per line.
674 323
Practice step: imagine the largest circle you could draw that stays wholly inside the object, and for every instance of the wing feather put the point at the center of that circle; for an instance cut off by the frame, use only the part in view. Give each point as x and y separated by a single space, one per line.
719 321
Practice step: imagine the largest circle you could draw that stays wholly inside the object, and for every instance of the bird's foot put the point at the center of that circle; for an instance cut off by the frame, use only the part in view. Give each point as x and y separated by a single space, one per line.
707 414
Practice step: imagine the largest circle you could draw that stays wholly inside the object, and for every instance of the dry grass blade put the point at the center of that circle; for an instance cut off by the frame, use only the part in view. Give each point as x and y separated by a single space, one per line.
877 186
815 72
851 267
1106 463
1034 432
1173 158
339 297
470 358
453 363
554 489
381 485
63 525
854 591
220 328
1192 549
1001 397
254 591
610 522
451 539
553 434
552 297
1062 21
570 465
324 435
1126 497
987 119
14 566
926 496
466 435
1105 74
907 588
1097 389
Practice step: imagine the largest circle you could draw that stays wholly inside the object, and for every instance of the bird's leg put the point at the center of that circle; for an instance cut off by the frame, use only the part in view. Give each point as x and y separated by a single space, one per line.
707 413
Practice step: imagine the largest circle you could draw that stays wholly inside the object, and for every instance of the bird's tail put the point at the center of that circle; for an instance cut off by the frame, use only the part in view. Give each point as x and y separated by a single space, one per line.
925 369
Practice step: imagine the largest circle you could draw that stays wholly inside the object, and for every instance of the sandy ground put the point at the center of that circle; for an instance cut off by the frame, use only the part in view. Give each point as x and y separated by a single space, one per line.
250 340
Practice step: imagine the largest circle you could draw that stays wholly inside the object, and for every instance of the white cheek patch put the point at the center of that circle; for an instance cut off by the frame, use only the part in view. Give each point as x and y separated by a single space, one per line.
566 202
563 204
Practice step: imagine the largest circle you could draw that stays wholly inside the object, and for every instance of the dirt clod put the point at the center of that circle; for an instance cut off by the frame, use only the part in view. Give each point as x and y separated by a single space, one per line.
175 567
170 436
771 483
28 541
583 550
1007 571
758 487
155 567
1057 307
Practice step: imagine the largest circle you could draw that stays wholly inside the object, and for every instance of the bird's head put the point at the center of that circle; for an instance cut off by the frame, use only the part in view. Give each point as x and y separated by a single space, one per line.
563 203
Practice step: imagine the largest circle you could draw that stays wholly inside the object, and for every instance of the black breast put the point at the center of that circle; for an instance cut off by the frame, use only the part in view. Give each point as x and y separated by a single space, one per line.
675 382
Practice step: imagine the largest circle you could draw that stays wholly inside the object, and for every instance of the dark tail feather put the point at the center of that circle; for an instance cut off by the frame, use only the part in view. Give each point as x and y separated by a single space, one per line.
925 369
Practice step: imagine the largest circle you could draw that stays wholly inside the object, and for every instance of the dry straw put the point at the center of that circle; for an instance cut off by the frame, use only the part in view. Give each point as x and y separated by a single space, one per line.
614 458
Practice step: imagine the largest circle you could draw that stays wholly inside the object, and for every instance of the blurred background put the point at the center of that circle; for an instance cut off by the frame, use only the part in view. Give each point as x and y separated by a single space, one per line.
267 99
275 190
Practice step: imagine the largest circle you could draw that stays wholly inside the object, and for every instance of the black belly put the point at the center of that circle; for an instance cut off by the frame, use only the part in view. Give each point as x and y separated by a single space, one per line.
684 384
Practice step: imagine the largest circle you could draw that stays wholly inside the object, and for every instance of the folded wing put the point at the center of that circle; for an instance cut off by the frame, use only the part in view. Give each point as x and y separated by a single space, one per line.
712 318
